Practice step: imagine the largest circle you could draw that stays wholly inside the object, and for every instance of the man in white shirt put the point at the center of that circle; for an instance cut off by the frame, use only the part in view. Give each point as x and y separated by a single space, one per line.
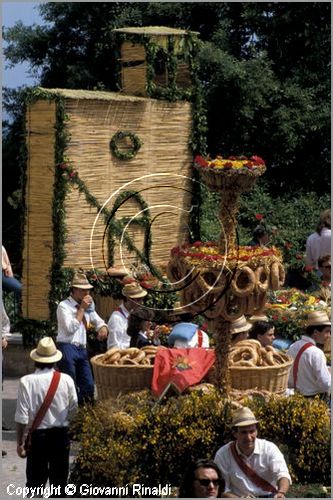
48 456
75 315
251 466
133 295
309 373
319 243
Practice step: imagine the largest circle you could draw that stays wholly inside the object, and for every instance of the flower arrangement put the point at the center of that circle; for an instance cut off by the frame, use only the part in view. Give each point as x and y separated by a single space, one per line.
231 163
199 252
288 309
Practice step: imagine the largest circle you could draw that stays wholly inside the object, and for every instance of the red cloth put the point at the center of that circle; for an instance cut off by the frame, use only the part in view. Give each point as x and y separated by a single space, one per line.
180 368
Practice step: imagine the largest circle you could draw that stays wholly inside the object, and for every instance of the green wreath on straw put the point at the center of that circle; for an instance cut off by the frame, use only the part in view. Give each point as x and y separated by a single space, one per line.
136 143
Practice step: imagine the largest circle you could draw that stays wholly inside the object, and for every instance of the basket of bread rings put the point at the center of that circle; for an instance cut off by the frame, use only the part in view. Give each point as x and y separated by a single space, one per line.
252 366
120 371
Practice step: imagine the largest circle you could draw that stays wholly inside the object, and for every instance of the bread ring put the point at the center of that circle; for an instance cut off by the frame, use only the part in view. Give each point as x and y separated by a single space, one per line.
145 361
112 351
277 275
259 273
131 351
131 361
115 357
139 357
244 354
228 303
123 360
268 358
245 363
270 348
247 274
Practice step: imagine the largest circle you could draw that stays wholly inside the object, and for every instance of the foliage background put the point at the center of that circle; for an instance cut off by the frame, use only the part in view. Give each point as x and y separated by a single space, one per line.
265 70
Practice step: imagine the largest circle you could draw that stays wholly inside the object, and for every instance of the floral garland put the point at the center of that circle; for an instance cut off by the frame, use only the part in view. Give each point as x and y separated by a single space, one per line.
121 155
254 163
199 252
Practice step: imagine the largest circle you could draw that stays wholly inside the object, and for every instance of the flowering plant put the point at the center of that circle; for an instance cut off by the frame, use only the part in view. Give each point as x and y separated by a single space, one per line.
231 163
287 310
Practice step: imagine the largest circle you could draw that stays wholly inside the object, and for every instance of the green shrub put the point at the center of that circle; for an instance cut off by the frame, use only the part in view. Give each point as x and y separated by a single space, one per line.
134 439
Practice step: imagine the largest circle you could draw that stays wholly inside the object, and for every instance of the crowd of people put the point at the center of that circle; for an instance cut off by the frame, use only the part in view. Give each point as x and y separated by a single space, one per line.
63 380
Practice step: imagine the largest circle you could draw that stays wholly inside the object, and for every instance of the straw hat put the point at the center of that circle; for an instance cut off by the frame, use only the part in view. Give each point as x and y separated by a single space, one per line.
133 291
80 281
240 325
318 318
46 351
259 317
117 272
243 417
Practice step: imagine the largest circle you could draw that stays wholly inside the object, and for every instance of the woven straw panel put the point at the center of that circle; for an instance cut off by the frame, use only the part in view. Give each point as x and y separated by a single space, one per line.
164 128
38 237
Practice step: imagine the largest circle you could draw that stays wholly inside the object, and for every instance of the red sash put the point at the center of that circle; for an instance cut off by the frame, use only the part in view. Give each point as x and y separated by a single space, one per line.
250 473
296 362
121 312
200 338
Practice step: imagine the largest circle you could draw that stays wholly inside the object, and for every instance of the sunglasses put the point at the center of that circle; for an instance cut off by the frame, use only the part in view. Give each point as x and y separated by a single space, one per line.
206 482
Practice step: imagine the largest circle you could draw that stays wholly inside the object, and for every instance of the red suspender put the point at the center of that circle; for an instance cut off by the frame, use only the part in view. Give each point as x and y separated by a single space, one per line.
250 473
200 338
47 401
297 359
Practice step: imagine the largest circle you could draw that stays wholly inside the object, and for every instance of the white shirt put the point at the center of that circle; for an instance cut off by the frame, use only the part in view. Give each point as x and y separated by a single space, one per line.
117 326
69 328
313 375
193 342
31 394
318 245
266 459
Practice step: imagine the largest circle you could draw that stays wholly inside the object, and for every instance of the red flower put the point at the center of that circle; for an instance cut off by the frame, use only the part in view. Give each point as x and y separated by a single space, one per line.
299 256
284 318
288 246
199 160
233 158
308 269
257 160
259 216
146 285
275 317
227 164
196 244
248 165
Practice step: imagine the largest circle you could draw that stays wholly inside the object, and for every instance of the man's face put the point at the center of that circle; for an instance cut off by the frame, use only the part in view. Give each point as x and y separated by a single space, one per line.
322 336
245 438
210 480
326 270
267 338
79 293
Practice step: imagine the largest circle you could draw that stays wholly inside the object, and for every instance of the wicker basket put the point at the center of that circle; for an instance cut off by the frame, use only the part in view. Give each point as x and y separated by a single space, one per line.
271 378
112 380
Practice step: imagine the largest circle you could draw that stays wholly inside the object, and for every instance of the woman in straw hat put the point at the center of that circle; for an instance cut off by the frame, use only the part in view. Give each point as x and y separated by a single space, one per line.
133 295
309 373
74 315
251 467
48 455
239 329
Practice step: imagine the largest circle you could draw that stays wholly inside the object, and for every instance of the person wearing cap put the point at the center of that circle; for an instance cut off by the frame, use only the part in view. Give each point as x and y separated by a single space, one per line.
74 315
264 332
309 373
48 456
133 295
239 329
251 467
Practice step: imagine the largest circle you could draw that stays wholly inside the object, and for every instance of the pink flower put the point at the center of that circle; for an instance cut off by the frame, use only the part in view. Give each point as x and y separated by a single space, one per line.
257 160
259 216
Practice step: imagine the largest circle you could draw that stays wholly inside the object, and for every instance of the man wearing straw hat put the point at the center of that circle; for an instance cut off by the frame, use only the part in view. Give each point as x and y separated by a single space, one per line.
309 373
46 402
239 329
251 467
133 295
75 315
